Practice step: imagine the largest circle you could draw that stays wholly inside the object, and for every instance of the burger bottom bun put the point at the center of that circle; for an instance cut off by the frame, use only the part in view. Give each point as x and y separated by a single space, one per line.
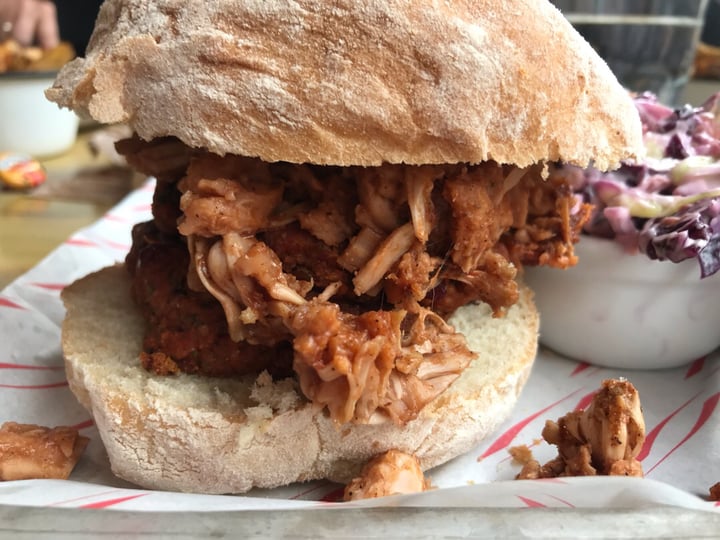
206 435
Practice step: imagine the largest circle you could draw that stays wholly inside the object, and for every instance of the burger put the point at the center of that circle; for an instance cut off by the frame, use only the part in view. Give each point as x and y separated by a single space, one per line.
346 194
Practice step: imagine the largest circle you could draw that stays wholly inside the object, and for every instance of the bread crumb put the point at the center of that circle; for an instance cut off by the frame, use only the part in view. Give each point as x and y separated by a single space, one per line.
521 454
281 395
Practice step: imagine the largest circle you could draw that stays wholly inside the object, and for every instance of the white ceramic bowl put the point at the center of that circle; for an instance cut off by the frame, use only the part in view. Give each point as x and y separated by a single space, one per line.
626 311
29 123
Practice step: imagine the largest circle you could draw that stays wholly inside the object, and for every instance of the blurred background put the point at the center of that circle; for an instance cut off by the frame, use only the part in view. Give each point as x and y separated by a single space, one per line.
651 44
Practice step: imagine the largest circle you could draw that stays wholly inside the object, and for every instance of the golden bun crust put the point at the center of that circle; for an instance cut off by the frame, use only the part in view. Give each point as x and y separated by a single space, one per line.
198 434
355 82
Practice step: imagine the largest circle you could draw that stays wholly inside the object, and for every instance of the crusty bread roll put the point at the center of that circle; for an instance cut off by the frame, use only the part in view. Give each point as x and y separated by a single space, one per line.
331 83
374 81
192 433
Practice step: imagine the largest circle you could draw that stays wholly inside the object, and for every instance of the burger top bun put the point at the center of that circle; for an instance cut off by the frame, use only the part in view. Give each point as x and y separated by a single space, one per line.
354 82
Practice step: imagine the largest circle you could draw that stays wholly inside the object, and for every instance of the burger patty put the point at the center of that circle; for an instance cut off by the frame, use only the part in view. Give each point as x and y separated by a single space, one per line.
347 273
186 330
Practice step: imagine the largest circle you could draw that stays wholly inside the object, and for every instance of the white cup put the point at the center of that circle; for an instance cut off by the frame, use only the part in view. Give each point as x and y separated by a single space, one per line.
29 123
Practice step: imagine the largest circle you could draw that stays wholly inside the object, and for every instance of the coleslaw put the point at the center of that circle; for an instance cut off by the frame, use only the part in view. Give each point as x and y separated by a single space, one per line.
667 206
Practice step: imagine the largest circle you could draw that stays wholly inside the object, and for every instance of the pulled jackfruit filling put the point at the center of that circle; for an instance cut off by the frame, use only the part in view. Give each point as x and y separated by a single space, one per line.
341 276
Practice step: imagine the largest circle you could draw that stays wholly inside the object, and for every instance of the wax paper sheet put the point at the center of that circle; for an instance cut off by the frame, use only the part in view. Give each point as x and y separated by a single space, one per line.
681 456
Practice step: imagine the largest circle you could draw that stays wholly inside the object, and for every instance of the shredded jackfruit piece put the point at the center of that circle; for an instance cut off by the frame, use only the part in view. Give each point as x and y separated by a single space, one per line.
29 451
603 439
391 473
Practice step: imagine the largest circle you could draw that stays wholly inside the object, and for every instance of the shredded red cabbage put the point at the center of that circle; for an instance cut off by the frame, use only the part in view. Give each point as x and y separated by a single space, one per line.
694 233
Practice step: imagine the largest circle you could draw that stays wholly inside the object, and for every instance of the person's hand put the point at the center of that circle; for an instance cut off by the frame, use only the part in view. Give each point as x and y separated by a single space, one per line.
29 22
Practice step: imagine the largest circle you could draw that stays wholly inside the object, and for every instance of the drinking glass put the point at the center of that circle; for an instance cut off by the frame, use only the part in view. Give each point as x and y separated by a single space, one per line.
648 44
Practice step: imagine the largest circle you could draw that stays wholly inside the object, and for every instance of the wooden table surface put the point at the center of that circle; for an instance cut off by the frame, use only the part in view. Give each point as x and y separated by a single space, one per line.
81 187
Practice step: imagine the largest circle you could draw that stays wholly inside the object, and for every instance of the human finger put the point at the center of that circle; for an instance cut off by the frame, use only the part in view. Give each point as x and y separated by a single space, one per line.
25 22
47 33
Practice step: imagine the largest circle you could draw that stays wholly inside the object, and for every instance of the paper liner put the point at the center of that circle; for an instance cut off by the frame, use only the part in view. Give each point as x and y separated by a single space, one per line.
681 457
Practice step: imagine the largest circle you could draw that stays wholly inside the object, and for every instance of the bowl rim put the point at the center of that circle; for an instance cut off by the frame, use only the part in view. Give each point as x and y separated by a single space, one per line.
606 257
34 75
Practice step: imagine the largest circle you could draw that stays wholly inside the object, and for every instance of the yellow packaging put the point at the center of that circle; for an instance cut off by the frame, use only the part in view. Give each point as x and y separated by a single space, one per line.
18 171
